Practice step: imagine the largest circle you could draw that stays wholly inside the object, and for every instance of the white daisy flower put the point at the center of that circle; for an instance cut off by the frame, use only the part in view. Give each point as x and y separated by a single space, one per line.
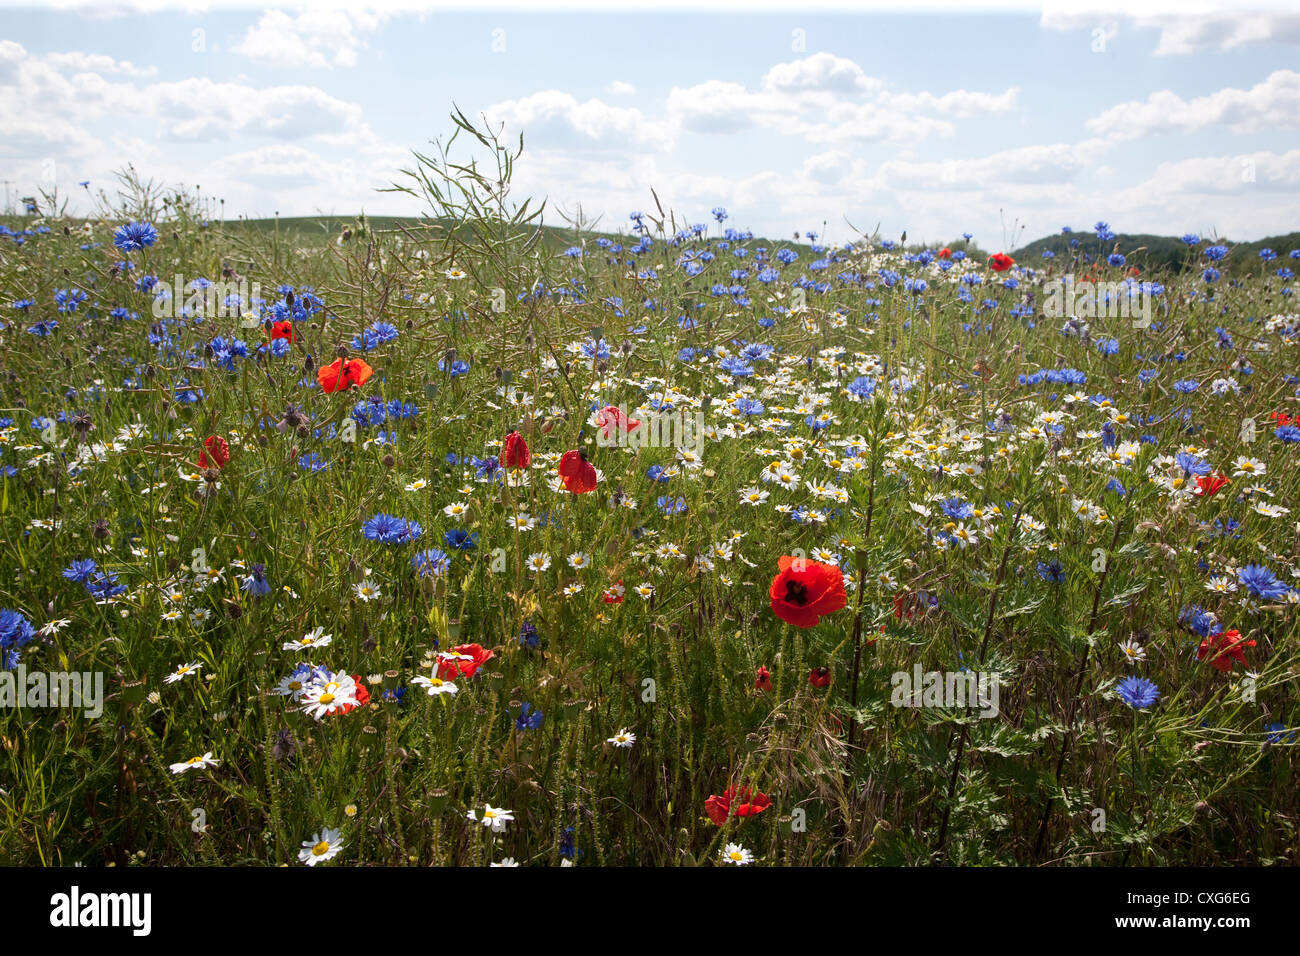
195 763
322 846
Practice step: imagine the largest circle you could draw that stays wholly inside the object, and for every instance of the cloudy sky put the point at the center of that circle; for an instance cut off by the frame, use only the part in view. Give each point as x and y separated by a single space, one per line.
1007 123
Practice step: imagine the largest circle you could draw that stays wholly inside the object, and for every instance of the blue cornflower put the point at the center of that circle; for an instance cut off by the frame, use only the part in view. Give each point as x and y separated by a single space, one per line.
671 506
1261 582
1137 692
135 235
528 719
1191 464
460 539
736 367
392 530
1200 620
485 466
103 585
1287 433
80 570
15 631
862 387
430 563
255 581
1277 733
528 636
1051 571
957 509
656 473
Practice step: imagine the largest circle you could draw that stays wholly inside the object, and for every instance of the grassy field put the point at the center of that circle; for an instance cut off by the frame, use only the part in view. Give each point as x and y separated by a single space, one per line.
340 620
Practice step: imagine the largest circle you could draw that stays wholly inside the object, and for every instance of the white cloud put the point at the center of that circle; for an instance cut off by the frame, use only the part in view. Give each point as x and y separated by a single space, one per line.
553 118
97 63
620 88
1193 30
826 99
1272 103
319 37
820 72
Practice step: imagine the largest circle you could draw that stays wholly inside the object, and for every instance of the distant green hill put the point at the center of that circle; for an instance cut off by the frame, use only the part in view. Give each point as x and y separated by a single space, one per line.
1153 253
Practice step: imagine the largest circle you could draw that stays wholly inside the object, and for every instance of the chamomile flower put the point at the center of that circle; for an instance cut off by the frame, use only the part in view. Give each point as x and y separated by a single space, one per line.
579 560
366 591
457 509
736 855
311 640
538 561
181 672
1133 651
1221 584
323 846
624 738
1246 466
493 817
329 695
434 686
195 763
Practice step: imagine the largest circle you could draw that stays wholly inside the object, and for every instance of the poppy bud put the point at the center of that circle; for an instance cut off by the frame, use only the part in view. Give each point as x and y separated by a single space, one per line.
515 452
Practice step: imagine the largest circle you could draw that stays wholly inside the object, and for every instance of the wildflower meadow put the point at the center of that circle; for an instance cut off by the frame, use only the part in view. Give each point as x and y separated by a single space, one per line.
483 539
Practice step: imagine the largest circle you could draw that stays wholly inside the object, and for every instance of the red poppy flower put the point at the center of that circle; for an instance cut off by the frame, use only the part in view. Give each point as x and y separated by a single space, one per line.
474 657
1227 647
215 454
282 330
804 591
820 677
1282 418
515 452
1206 485
610 418
1001 262
579 474
763 681
945 253
362 695
342 374
719 808
615 594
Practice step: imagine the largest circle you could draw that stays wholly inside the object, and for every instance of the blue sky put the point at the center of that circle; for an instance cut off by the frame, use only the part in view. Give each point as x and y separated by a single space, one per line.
1163 120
